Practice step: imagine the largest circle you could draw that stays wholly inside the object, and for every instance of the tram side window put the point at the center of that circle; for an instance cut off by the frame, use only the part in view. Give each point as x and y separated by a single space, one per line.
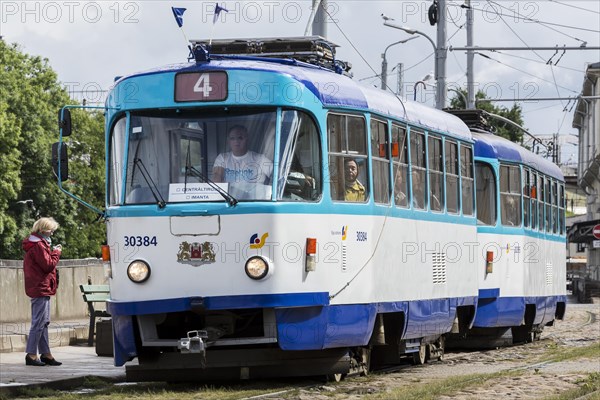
299 158
381 163
554 207
418 166
561 209
534 202
486 194
452 192
436 174
526 198
541 207
400 165
548 198
510 195
348 168
466 170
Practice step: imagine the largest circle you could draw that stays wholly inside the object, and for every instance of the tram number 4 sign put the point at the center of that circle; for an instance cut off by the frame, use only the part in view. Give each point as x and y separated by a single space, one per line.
201 86
596 231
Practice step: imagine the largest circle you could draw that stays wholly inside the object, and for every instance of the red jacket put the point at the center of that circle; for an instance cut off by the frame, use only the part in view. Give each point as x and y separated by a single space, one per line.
39 266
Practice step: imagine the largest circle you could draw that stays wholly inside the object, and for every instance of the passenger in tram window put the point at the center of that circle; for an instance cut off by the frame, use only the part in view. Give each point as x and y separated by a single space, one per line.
399 187
241 164
510 211
418 185
354 190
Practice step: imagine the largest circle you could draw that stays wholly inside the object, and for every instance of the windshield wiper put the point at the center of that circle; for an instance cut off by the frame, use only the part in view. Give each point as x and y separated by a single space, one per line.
189 170
151 185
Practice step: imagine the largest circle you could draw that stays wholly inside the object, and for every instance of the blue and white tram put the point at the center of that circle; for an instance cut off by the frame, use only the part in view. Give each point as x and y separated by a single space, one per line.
521 228
276 271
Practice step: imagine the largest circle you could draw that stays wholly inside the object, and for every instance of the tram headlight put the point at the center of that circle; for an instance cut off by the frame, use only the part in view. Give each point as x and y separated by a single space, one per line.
138 271
257 267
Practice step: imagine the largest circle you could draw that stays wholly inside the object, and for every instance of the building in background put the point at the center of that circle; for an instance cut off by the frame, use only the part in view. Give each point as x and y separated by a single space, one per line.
586 233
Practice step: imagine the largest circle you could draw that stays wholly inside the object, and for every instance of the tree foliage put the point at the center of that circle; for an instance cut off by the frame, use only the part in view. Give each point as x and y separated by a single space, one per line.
500 128
31 97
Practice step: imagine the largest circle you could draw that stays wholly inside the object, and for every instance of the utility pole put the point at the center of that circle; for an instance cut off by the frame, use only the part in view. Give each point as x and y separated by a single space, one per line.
383 72
400 82
441 53
470 56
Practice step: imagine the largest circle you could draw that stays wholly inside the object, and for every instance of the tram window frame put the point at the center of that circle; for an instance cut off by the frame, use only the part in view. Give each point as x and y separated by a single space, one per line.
452 177
380 163
400 165
467 180
561 208
300 163
534 201
548 201
526 197
510 195
554 206
418 169
435 172
118 143
487 210
541 204
341 148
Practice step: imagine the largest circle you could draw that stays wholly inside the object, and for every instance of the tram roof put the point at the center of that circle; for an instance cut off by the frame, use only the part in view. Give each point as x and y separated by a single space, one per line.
491 146
336 90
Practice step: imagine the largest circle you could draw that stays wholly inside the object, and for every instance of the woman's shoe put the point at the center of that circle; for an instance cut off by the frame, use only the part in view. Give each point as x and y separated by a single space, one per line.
50 361
34 362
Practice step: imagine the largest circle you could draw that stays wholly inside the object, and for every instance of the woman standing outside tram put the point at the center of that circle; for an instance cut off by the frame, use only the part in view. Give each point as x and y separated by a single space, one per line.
41 282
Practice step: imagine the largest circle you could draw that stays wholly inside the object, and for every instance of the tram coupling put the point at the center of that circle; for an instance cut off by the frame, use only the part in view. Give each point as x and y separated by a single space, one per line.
193 343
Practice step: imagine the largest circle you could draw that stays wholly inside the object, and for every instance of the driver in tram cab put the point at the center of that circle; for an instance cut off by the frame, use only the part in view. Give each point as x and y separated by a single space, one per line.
354 190
241 164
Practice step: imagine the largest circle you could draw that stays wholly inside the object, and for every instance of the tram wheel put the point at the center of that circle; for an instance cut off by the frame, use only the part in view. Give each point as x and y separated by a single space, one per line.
420 357
334 377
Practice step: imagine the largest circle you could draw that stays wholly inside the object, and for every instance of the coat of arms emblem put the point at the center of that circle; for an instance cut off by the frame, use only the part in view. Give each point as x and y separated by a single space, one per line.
196 253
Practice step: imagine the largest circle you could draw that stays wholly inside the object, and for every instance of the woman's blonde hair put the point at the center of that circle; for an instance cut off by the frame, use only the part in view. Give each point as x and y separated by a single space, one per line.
45 224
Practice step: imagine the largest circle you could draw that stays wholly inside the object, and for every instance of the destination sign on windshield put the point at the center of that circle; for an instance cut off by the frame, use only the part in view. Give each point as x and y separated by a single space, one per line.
201 86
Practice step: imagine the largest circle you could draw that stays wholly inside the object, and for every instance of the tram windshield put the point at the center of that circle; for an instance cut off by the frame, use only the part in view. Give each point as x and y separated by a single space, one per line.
207 155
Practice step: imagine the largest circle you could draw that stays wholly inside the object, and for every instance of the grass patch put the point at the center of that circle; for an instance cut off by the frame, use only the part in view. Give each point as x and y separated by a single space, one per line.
434 389
557 353
102 390
588 386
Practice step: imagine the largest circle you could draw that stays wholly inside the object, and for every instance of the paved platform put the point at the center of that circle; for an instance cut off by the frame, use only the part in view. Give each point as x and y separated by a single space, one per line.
79 361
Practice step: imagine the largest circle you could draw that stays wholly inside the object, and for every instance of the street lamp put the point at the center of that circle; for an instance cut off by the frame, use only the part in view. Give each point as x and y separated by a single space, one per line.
384 64
423 81
440 69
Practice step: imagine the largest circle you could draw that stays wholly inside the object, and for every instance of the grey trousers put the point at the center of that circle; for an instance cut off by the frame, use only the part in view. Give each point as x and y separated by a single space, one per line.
40 319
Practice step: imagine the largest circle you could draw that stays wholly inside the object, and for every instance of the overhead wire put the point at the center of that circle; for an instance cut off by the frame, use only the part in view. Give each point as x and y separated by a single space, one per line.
572 6
535 21
536 61
545 25
527 45
522 71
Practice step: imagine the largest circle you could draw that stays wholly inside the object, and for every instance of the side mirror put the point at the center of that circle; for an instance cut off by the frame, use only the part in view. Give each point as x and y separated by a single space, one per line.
60 153
64 121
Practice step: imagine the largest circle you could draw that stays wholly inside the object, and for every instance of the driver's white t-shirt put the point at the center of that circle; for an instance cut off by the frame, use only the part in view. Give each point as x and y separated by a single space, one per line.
251 167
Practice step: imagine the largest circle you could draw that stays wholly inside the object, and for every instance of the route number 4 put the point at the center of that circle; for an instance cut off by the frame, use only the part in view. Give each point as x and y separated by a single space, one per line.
203 85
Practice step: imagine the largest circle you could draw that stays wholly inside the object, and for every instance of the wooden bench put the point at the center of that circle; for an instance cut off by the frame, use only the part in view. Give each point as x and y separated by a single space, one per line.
95 294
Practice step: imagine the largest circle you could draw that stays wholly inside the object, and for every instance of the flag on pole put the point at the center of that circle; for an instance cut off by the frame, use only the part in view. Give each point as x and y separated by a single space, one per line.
218 10
178 14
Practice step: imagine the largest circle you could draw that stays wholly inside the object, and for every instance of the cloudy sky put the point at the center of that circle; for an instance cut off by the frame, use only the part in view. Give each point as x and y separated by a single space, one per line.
88 43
